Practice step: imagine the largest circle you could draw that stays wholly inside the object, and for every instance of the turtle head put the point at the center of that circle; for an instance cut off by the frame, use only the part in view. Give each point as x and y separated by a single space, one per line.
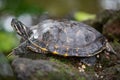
21 29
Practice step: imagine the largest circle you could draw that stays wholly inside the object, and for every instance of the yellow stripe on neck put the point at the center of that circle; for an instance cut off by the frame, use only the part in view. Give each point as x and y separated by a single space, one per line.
44 49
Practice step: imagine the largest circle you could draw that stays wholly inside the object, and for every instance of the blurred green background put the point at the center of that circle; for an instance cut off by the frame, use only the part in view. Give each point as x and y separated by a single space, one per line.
29 12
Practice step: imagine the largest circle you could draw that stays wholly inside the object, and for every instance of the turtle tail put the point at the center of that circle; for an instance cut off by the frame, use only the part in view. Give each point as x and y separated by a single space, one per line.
21 29
109 48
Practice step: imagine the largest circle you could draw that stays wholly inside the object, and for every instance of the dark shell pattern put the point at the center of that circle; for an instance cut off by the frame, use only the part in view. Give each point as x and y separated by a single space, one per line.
68 38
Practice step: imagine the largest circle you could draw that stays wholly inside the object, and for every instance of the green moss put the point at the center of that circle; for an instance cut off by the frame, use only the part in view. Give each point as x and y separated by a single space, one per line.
60 71
7 41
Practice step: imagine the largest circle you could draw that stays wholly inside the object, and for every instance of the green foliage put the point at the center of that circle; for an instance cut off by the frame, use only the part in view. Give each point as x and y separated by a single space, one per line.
7 41
80 16
20 6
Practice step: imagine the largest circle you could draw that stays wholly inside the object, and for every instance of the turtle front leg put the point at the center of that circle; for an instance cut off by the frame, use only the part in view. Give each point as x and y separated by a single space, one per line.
88 61
21 49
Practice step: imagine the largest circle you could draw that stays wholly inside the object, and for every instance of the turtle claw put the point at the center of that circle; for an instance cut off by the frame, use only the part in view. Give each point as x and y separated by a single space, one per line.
81 67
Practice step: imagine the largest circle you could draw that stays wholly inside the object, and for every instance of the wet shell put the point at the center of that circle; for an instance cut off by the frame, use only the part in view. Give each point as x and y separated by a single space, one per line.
68 38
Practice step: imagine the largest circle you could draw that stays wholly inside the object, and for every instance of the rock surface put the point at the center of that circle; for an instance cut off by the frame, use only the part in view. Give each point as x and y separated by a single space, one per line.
27 69
6 72
112 73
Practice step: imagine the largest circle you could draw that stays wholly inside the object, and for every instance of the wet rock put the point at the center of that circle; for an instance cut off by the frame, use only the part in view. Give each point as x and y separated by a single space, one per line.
27 69
6 72
103 18
112 73
112 28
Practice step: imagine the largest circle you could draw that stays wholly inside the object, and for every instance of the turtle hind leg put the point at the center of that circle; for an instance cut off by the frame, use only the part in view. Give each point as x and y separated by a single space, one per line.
86 61
89 61
93 62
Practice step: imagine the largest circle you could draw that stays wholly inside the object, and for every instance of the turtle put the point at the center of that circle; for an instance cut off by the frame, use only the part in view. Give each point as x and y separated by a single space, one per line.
65 38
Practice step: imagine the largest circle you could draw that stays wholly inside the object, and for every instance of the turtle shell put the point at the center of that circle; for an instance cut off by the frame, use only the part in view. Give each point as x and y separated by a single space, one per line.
68 38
